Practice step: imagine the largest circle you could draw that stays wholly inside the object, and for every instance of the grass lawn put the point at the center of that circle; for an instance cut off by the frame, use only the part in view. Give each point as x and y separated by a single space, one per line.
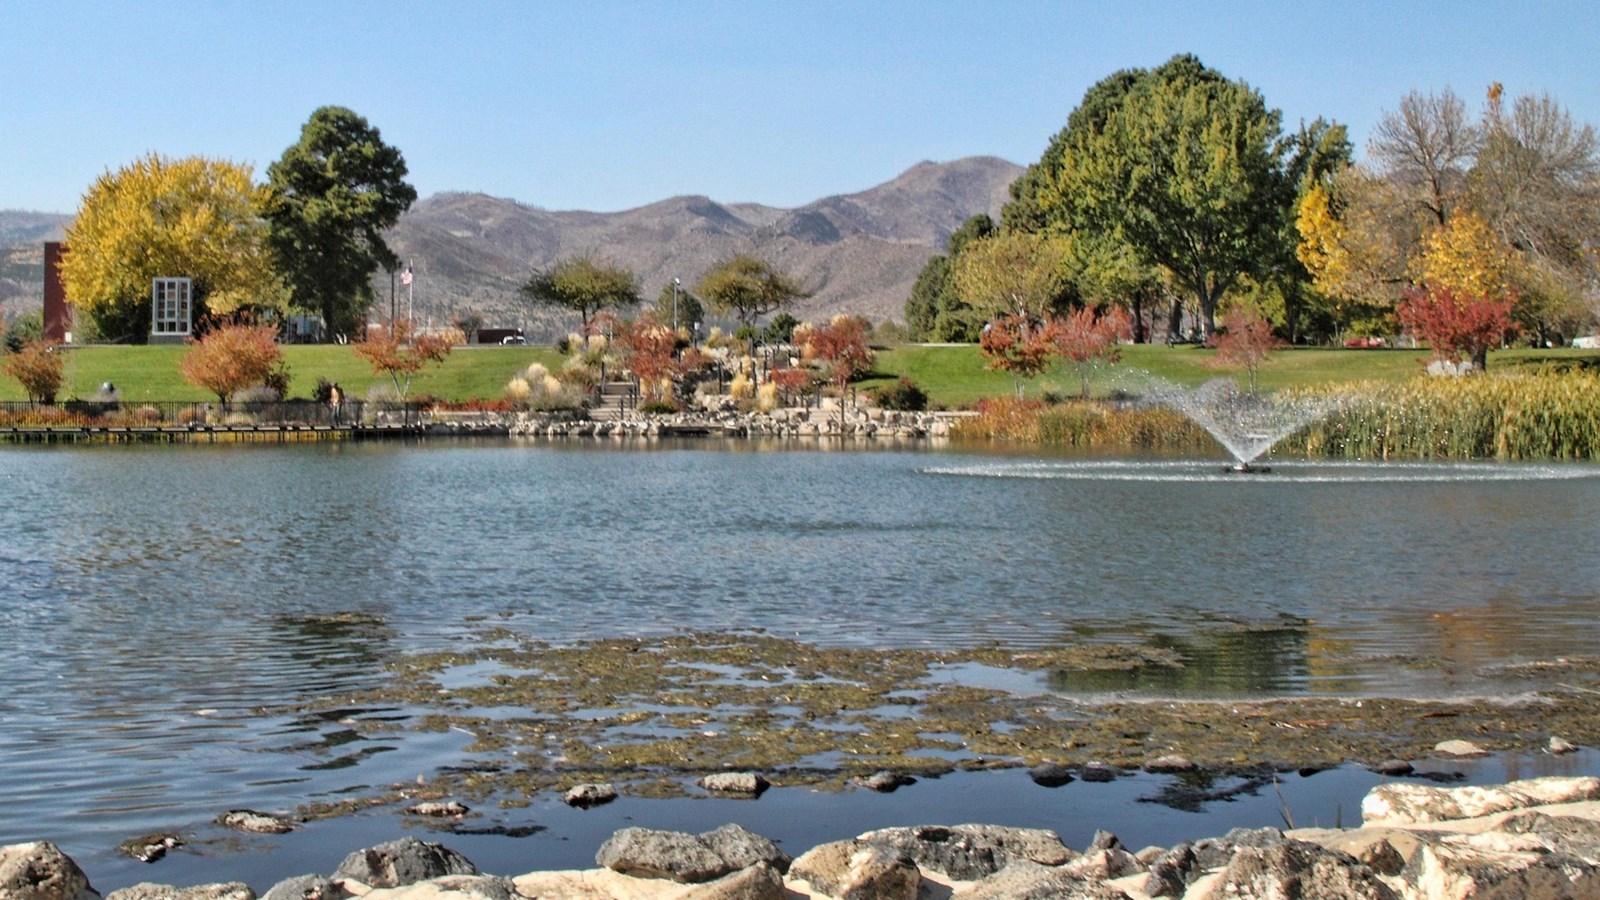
151 373
953 376
956 376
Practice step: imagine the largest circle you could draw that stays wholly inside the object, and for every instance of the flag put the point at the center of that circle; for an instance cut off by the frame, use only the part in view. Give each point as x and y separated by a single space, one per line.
405 275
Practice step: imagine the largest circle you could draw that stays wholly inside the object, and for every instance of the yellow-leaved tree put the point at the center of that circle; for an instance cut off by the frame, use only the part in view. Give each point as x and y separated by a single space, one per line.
158 217
1466 256
1355 242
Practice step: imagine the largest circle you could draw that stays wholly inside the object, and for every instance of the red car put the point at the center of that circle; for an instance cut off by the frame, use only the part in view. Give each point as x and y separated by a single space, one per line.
1364 343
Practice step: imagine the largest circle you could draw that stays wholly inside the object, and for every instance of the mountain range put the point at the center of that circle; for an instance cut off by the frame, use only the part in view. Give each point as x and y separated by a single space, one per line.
858 253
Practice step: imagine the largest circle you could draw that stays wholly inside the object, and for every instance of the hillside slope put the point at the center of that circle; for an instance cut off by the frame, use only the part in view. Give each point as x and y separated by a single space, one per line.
857 253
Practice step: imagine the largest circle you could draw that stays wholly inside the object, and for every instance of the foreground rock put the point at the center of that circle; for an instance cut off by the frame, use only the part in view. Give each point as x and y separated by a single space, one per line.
233 890
969 852
40 871
402 862
1528 839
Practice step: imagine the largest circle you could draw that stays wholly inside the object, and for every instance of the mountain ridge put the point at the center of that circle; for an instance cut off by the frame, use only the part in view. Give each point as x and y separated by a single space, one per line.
857 252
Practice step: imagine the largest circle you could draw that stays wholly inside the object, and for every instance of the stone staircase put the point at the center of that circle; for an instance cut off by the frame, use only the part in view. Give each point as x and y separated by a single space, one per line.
616 404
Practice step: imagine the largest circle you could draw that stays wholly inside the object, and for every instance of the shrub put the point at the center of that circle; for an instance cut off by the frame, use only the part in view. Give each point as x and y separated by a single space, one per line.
39 368
258 394
904 395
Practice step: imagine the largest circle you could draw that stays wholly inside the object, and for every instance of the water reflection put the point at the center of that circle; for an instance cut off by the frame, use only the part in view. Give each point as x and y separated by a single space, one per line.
1230 662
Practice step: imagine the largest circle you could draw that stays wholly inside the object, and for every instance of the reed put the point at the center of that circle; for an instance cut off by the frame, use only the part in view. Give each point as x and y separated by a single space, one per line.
1511 416
1507 416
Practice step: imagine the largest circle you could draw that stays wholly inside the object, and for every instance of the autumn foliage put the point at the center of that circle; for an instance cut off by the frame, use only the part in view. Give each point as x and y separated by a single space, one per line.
839 348
399 352
1457 324
234 356
649 349
1246 340
1086 339
1016 344
1025 346
38 367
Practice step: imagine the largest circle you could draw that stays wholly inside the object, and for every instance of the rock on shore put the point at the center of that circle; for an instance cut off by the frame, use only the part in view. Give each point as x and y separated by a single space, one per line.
1531 839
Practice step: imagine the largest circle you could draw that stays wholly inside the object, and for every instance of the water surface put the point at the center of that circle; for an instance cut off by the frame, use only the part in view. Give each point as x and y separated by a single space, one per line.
163 605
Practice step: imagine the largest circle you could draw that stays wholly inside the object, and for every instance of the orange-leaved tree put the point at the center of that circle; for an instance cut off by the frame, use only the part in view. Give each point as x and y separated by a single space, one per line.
840 349
38 367
1087 339
648 348
1457 324
398 351
1017 344
1246 339
233 356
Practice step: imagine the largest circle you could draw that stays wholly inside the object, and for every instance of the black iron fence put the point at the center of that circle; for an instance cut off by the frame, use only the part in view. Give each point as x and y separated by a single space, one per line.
203 414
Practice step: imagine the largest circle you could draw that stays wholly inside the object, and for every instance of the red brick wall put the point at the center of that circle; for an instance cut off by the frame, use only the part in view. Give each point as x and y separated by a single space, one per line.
57 314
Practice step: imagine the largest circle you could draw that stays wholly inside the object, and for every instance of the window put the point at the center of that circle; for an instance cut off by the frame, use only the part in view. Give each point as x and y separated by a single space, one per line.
171 306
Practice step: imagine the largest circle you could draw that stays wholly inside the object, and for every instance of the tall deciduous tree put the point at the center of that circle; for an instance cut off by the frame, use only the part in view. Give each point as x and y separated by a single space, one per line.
934 311
1537 183
748 288
1013 274
1427 145
232 357
192 218
1189 171
332 195
583 284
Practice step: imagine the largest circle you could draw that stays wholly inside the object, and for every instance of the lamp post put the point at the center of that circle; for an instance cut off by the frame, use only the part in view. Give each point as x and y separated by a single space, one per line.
675 283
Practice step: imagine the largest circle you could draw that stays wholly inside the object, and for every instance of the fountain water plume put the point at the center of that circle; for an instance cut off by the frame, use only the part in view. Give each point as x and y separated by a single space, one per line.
1246 424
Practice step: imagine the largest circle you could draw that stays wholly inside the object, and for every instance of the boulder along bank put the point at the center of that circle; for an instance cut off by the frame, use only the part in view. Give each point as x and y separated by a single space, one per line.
1528 839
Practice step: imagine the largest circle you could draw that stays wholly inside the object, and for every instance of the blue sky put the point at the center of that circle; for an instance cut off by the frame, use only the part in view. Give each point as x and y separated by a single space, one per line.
609 105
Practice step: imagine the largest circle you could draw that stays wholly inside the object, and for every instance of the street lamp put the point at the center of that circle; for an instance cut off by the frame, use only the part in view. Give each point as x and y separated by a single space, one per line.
675 283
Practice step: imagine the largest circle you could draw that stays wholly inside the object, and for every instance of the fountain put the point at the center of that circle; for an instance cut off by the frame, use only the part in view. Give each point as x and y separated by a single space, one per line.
1246 424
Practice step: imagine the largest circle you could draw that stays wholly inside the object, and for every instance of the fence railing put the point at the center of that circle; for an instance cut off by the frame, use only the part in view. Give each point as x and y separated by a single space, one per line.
208 414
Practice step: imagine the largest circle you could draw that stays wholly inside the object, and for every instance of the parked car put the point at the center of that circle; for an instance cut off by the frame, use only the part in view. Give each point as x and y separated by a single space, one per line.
1370 342
513 339
1587 342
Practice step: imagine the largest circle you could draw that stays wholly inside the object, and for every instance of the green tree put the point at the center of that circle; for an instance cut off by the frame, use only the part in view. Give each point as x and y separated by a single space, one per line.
331 196
1013 273
24 328
194 217
689 308
1187 170
1026 211
748 287
934 311
584 285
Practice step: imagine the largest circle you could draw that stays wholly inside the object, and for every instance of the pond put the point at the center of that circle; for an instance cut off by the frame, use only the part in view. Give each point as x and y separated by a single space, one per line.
168 610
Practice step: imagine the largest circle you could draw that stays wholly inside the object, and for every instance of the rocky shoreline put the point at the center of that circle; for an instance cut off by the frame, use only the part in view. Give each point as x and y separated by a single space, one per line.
822 422
1531 839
